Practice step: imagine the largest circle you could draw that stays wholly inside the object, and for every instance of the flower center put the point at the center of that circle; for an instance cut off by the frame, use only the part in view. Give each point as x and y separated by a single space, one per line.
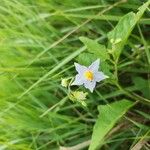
89 75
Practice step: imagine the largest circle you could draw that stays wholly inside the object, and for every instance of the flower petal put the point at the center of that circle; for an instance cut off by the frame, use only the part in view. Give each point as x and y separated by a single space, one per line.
79 80
95 65
98 76
90 85
80 69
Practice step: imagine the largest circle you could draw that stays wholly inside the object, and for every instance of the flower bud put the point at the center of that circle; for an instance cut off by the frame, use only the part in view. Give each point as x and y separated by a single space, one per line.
79 95
64 82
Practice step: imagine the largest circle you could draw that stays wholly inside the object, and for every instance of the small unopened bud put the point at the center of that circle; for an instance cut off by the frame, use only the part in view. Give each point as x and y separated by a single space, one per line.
112 41
64 82
79 95
115 41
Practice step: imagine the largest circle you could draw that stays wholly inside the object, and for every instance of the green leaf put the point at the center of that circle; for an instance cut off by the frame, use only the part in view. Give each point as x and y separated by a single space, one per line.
95 48
142 85
86 58
108 116
105 67
119 35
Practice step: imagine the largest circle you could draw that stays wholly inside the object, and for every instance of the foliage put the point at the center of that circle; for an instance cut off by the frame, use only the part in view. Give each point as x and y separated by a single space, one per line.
105 122
39 43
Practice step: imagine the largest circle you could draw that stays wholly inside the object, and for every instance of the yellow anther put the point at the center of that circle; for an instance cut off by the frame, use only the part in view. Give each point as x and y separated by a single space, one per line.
89 75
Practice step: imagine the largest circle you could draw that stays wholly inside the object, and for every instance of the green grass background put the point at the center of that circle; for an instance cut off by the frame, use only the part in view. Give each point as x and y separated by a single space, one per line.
39 43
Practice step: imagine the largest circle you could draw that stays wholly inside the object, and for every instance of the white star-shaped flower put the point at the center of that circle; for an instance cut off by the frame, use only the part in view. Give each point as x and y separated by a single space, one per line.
88 76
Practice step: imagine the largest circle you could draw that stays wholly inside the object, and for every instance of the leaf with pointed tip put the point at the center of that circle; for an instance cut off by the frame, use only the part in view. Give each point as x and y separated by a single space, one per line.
95 48
119 35
108 116
86 58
